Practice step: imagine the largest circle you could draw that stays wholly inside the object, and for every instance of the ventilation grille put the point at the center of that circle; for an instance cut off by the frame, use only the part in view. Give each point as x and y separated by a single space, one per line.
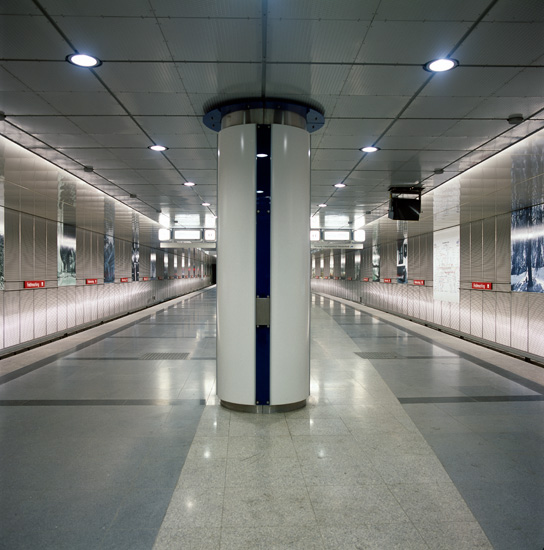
377 355
156 356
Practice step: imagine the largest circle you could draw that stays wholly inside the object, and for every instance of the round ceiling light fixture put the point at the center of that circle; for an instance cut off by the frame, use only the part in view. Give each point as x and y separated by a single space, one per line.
189 184
158 148
206 204
322 205
339 185
262 155
370 149
83 60
440 65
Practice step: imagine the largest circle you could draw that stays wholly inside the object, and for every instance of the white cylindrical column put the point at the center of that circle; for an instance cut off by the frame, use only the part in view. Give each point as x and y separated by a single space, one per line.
263 260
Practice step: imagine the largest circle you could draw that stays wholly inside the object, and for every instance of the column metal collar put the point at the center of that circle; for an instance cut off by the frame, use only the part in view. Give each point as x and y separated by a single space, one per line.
264 111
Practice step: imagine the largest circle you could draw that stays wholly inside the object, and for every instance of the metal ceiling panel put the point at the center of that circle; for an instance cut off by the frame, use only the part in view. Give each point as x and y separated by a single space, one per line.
225 78
442 107
501 107
105 124
206 8
104 8
46 125
141 77
430 127
323 9
314 40
121 140
83 103
469 81
156 103
305 79
41 40
118 38
477 128
410 41
368 106
213 39
430 10
170 125
487 44
514 10
25 103
384 81
527 83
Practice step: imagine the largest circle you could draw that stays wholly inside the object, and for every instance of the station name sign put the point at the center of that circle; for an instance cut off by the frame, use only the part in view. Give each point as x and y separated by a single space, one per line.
482 286
34 284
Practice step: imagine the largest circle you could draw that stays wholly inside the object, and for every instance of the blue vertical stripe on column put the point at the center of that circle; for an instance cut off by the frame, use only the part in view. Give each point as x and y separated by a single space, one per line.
263 202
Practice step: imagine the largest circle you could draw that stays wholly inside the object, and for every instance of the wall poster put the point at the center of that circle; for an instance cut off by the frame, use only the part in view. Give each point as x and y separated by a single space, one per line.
527 247
135 247
153 265
2 275
376 263
66 233
446 264
402 261
109 242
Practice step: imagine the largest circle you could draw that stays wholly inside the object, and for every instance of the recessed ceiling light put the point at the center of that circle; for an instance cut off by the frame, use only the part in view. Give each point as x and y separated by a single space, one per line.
440 65
322 205
189 184
261 155
83 60
206 204
260 191
157 147
339 185
370 149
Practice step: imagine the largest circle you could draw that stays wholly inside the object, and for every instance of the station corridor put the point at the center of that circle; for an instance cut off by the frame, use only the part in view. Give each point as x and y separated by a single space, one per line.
113 438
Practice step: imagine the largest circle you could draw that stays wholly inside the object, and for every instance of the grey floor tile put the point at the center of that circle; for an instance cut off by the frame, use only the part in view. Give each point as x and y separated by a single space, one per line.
295 537
188 538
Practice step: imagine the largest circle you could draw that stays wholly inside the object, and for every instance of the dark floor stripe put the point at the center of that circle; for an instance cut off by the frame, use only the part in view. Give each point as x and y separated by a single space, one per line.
95 402
470 399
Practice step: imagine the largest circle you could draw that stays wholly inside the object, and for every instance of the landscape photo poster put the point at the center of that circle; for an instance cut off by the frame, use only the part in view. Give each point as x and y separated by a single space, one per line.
109 242
402 261
527 249
66 232
135 247
376 263
2 276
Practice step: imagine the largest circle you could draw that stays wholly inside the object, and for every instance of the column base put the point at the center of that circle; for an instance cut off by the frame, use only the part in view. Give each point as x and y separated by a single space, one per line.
263 409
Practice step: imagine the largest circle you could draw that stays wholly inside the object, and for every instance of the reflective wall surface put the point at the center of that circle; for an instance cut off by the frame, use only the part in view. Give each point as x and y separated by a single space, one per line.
71 256
473 263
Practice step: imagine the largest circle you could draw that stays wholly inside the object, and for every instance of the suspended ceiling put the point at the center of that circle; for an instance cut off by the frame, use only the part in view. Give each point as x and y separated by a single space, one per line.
166 62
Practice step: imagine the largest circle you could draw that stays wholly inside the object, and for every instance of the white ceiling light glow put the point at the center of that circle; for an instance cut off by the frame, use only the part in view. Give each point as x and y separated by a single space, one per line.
83 60
157 147
370 149
189 184
322 205
261 155
336 235
206 204
315 235
339 185
164 234
440 65
359 235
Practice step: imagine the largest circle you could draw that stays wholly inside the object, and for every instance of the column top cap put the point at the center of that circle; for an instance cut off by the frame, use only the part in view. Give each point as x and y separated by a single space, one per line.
314 119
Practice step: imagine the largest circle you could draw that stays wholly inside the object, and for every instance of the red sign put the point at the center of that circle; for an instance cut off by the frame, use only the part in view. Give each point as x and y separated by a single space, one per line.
145 278
482 286
34 284
366 279
387 280
419 282
124 279
91 281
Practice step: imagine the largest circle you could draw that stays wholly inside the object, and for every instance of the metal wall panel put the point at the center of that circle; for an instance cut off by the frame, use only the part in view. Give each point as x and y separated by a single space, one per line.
519 337
503 253
464 311
426 256
40 312
26 305
79 304
489 273
82 253
40 249
51 251
51 298
489 315
465 242
62 308
476 263
27 247
12 241
11 318
437 312
502 318
2 320
476 313
454 316
536 325
446 314
70 306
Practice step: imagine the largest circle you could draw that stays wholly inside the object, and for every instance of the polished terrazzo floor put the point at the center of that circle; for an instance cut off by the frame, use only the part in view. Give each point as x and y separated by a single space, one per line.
411 439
